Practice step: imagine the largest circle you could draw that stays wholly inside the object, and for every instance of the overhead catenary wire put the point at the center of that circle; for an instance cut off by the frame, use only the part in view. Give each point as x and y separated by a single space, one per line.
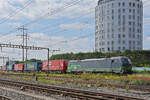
53 12
16 12
44 15
72 40
65 7
54 24
65 30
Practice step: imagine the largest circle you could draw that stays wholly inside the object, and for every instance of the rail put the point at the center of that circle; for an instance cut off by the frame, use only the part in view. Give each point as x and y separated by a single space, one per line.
57 78
75 93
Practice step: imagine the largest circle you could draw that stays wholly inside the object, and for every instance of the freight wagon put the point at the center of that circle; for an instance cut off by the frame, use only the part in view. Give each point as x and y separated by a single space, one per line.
19 67
55 66
33 66
1 68
10 66
114 64
4 68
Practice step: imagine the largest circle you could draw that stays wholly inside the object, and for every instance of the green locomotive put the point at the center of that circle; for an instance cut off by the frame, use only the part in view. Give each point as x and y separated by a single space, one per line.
114 64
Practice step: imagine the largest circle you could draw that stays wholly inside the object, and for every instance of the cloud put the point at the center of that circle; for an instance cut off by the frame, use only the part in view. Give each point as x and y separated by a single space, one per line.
42 7
74 26
44 40
14 24
147 43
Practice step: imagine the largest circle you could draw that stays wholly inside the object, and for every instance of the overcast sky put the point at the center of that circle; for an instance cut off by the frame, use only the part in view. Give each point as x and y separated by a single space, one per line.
67 25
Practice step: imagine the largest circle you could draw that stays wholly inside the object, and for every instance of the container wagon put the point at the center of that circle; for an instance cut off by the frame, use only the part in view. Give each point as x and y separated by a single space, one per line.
55 66
4 68
113 64
1 68
10 67
19 67
33 66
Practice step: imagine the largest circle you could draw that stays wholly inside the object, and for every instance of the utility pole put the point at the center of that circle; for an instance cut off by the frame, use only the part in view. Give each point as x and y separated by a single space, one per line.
54 51
29 48
3 58
26 37
23 37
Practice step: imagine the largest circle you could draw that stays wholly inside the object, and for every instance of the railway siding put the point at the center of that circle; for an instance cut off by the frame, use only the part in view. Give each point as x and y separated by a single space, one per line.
75 93
14 94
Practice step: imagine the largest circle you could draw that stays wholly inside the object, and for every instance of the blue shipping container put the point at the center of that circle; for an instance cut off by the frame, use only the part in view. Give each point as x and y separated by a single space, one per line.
34 66
10 67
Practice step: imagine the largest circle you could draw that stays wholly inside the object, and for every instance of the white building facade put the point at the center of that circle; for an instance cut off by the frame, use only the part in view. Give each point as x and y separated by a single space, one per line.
118 25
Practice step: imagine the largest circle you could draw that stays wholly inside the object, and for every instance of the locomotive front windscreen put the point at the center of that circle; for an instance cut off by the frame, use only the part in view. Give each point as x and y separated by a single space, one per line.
125 61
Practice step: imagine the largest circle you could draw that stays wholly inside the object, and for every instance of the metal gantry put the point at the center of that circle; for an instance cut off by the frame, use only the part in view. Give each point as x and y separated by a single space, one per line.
26 47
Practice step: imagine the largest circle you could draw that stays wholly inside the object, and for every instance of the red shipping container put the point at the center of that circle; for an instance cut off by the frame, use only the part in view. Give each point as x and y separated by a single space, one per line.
19 67
0 67
55 65
4 68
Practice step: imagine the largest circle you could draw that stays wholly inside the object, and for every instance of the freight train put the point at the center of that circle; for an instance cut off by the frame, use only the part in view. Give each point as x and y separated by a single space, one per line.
114 64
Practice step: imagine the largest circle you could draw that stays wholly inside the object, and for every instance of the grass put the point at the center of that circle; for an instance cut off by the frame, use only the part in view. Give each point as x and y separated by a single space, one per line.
136 79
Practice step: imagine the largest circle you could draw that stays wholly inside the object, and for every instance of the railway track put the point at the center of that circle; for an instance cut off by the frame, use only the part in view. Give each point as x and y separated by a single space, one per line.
92 82
74 93
4 98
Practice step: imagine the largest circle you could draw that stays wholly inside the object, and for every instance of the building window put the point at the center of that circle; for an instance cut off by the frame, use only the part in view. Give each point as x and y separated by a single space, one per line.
133 17
130 10
119 17
112 49
138 5
133 35
119 42
123 4
133 4
112 4
130 29
108 49
112 17
112 30
138 11
129 16
119 4
119 22
123 35
138 36
133 29
112 35
108 36
112 42
133 42
108 43
133 10
124 48
124 17
119 48
124 42
123 29
107 17
124 10
112 11
119 36
119 29
129 42
129 23
119 11
130 4
103 49
129 35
